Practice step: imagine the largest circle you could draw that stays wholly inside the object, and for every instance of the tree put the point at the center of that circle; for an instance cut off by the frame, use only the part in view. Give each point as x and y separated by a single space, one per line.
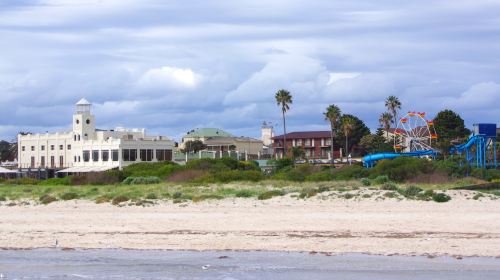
347 128
393 104
284 99
375 143
333 115
8 151
193 146
297 152
385 121
359 130
449 126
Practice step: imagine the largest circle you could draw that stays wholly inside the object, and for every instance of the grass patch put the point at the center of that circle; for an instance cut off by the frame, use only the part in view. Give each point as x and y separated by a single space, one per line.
119 199
69 196
46 199
270 194
441 197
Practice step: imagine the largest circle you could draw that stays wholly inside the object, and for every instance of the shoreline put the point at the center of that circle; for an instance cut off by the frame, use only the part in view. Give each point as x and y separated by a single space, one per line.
222 256
462 227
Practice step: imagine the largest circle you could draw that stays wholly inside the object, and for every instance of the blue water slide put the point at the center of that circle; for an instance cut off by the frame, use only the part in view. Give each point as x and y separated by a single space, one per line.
459 148
370 160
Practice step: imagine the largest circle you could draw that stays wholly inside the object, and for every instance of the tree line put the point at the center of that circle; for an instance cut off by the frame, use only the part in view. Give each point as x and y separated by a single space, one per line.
449 126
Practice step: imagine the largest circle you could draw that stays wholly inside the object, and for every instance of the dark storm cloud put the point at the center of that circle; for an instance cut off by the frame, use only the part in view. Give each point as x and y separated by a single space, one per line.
171 66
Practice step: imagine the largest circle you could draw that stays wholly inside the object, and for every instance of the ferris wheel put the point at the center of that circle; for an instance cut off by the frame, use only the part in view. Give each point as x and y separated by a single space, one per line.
414 133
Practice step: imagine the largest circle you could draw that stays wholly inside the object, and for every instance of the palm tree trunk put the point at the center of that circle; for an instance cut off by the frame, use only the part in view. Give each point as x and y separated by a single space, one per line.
284 133
331 145
346 145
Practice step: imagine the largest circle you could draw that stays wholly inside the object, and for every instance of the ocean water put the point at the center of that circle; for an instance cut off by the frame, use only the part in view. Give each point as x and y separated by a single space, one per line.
156 264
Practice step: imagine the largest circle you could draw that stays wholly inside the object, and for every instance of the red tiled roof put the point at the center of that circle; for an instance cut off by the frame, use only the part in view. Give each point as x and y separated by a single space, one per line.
304 135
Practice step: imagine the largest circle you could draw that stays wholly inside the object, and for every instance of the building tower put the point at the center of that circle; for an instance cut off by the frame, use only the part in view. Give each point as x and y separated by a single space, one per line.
83 121
267 133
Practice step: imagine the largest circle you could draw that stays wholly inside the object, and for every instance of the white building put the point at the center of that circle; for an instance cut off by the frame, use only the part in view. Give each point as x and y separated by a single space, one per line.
87 149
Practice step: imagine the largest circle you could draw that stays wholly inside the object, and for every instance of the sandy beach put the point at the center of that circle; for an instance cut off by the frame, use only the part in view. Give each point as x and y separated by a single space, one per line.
460 227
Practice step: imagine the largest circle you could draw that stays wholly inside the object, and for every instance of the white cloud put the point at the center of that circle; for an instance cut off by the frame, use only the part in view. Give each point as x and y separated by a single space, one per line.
335 77
166 78
483 95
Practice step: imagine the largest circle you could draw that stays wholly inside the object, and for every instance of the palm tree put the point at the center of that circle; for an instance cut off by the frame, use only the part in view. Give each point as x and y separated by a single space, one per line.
347 127
283 99
333 115
385 121
393 104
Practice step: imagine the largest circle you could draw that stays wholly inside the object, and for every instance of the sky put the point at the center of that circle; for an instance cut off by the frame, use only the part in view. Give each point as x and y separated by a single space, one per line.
172 66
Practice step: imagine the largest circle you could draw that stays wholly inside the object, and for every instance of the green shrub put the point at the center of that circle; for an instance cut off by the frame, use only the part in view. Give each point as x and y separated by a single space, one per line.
46 199
102 199
320 176
161 169
206 197
95 178
3 198
270 194
21 181
141 180
234 175
295 175
348 196
365 182
119 199
306 193
177 195
477 196
350 172
55 182
244 193
441 197
411 191
389 186
323 189
69 196
381 179
403 168
283 163
151 196
391 194
453 166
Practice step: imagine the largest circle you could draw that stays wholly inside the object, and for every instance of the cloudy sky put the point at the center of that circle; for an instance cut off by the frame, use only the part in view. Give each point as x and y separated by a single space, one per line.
171 66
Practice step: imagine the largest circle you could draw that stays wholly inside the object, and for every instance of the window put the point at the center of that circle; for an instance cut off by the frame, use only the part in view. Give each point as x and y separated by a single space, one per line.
69 147
42 147
74 137
307 142
87 121
78 137
32 162
129 155
61 161
328 141
95 155
86 156
32 148
61 147
114 155
146 155
105 155
75 159
51 147
42 161
164 155
23 148
79 159
77 121
298 142
52 162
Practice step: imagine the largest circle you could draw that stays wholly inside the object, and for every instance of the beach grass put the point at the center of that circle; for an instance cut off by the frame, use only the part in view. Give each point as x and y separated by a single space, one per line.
196 192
